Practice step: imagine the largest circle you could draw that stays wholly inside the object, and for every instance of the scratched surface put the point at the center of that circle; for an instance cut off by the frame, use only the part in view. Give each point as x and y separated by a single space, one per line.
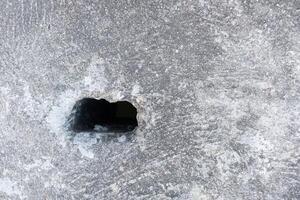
216 84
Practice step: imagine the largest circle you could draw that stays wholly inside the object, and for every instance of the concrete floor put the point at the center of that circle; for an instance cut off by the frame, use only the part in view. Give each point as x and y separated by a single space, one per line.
216 84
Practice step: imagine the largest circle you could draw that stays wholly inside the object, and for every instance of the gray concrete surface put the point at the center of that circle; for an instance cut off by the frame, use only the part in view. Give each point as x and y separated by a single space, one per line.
216 84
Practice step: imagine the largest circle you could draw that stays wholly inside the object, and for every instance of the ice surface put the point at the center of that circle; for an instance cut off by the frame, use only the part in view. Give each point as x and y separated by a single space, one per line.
216 85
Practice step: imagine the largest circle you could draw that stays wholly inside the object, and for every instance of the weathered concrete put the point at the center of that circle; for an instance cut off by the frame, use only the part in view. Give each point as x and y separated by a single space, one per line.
216 84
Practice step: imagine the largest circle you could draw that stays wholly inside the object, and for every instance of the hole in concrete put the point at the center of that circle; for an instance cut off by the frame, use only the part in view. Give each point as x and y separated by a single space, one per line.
99 115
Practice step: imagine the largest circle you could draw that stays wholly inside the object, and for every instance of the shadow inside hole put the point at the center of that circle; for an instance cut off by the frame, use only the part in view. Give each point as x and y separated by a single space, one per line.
103 119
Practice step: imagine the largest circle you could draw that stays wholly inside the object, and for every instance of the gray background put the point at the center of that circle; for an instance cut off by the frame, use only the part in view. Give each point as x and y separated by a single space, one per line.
216 84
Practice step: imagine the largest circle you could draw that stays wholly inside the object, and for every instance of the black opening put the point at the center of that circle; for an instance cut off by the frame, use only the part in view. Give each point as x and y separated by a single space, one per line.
90 114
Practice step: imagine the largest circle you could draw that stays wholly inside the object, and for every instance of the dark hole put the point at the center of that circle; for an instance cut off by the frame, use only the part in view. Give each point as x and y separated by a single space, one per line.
102 116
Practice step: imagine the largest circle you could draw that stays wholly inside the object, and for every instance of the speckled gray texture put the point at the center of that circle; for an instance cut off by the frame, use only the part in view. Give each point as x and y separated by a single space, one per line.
216 84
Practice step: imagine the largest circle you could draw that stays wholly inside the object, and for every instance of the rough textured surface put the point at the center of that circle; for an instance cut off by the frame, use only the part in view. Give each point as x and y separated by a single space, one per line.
216 84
